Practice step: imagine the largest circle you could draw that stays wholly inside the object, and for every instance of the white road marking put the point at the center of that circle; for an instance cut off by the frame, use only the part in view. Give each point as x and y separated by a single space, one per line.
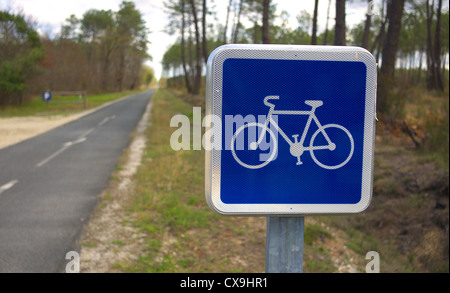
86 133
65 146
103 121
106 119
8 185
46 160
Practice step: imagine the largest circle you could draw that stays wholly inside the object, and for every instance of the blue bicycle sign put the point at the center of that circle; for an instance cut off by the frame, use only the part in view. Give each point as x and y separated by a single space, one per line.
293 130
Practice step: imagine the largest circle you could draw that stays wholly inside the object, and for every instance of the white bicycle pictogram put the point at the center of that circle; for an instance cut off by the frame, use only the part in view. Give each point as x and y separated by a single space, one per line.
297 148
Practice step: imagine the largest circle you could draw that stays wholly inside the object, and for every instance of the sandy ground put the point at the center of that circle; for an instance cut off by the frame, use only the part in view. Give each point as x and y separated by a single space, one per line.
17 129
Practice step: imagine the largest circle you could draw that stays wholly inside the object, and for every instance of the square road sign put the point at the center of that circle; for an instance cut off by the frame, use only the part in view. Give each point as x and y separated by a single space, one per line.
293 129
46 96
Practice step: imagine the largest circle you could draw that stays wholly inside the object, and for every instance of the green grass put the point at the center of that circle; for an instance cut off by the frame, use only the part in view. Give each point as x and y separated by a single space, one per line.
169 193
60 105
184 235
428 112
314 232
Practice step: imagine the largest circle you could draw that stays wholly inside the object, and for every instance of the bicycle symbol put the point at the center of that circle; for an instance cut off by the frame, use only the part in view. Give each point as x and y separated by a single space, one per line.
297 148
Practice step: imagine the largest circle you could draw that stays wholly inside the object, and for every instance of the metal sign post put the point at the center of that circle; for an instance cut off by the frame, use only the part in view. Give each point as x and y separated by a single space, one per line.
284 244
46 96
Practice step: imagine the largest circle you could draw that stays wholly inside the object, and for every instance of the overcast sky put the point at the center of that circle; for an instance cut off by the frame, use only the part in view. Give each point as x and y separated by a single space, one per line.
50 14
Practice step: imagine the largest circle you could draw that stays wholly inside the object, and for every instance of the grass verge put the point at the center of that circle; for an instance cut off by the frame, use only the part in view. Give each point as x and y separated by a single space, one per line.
183 235
60 105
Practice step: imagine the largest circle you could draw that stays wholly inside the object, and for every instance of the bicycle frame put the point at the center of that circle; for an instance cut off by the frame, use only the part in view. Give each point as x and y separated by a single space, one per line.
312 116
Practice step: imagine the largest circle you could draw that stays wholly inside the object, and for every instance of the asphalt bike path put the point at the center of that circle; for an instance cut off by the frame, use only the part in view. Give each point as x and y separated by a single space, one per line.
49 184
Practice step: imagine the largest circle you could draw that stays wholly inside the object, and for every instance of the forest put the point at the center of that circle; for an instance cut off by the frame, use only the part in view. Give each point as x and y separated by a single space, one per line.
103 51
408 38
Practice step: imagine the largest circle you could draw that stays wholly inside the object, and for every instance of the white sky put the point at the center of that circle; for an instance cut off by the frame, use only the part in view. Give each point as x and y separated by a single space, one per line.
50 14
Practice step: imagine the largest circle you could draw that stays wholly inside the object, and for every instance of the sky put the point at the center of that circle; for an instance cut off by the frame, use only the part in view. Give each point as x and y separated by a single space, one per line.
51 14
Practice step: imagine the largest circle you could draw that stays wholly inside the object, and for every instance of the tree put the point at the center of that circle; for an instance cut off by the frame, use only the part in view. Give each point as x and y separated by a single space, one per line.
225 31
204 43
314 23
379 39
367 24
395 13
183 55
238 23
132 43
101 51
304 25
339 29
68 31
198 66
96 28
434 77
325 37
20 52
390 48
265 26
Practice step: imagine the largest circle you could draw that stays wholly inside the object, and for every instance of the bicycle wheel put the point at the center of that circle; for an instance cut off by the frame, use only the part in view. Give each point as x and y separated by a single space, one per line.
250 158
336 155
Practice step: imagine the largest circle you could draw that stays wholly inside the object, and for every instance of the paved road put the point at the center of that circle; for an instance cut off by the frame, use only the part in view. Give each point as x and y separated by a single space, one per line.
49 184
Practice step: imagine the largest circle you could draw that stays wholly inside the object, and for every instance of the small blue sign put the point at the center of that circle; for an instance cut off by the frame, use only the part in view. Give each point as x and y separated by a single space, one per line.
47 96
297 129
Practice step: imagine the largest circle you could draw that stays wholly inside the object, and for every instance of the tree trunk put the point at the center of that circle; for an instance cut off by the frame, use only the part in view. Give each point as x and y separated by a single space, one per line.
121 71
238 24
437 50
325 38
198 65
393 34
314 24
265 25
431 78
105 73
367 24
339 29
379 39
183 55
266 38
395 13
226 22
190 49
419 70
204 43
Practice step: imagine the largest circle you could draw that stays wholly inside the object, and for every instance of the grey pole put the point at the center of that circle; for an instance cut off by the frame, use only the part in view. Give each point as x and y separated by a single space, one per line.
284 244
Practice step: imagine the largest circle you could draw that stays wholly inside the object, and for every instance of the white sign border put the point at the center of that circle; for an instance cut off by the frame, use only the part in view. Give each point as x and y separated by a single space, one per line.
288 52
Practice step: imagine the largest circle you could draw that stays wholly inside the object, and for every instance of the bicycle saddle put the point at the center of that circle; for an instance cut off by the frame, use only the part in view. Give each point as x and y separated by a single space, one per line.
270 98
314 103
